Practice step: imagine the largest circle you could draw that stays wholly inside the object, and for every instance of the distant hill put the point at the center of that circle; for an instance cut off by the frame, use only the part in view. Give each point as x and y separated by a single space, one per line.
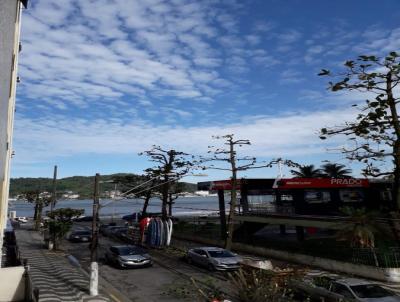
82 185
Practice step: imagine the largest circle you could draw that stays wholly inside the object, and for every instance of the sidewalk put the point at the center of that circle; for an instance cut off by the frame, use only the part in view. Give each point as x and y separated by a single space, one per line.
51 272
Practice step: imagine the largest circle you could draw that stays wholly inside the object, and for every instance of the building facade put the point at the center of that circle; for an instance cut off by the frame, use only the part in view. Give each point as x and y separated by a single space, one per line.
10 22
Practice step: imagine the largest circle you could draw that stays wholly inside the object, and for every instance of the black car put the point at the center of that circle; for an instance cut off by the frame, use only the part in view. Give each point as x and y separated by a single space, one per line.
132 217
103 227
85 218
80 236
119 233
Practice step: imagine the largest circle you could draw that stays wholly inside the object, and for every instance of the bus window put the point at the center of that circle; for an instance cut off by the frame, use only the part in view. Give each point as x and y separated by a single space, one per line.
314 196
351 195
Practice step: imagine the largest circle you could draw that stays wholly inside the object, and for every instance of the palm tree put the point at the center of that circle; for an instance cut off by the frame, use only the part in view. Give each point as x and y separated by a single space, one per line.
332 170
360 229
307 171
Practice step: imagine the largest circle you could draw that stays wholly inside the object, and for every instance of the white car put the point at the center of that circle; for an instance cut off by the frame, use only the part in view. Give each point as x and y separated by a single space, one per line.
22 219
363 291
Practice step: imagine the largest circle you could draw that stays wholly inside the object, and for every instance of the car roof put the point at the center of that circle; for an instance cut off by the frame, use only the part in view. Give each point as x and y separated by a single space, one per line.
353 281
210 248
125 246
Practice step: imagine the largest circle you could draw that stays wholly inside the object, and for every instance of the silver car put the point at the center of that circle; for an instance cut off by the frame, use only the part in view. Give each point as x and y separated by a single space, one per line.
362 291
126 256
214 258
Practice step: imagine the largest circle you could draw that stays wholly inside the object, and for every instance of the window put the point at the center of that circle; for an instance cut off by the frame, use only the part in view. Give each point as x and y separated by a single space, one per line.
371 291
342 290
220 254
351 195
261 200
201 253
286 197
386 195
314 196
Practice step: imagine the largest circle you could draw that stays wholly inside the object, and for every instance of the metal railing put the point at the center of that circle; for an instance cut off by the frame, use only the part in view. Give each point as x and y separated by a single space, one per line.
388 258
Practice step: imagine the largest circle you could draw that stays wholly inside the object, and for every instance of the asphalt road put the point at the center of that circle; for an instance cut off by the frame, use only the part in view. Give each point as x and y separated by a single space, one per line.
167 280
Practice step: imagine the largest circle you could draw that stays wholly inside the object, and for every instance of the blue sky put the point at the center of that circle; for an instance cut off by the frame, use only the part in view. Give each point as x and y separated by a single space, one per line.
104 80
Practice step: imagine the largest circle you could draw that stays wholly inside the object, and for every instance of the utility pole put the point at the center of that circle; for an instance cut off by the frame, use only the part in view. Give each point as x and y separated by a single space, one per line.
94 268
52 205
54 196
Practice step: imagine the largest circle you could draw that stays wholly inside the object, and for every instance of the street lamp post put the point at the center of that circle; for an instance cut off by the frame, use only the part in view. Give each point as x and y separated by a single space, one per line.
94 268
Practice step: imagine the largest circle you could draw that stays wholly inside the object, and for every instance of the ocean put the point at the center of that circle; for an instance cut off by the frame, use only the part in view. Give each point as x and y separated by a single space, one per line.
184 206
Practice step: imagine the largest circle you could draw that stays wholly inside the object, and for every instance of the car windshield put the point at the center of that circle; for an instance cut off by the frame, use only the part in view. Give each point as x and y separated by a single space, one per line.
82 233
370 291
220 254
124 251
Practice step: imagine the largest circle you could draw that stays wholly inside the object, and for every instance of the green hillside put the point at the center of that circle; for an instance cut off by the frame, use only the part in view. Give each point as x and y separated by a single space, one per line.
82 185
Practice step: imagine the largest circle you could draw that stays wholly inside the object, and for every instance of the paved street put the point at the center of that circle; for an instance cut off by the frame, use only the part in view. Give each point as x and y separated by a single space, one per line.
51 272
167 280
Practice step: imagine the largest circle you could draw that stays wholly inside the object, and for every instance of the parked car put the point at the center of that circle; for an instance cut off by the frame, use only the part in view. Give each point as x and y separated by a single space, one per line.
361 290
128 256
110 230
105 226
21 219
132 217
214 258
80 236
119 232
84 218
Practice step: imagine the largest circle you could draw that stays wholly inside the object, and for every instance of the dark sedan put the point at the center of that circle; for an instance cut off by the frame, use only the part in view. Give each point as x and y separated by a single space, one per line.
80 236
128 256
103 227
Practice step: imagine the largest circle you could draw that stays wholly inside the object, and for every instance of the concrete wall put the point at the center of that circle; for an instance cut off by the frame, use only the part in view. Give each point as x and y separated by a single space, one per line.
370 272
12 285
10 11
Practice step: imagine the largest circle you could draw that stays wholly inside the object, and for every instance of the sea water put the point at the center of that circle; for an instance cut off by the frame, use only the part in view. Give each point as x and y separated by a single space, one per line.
191 206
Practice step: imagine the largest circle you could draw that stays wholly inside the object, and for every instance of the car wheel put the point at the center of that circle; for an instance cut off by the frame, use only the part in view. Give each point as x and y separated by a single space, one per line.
211 267
189 260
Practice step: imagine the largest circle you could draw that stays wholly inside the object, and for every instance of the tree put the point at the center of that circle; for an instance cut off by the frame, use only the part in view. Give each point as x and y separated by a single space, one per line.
40 202
147 187
150 191
229 155
61 222
332 170
171 166
263 285
375 132
307 171
177 189
360 229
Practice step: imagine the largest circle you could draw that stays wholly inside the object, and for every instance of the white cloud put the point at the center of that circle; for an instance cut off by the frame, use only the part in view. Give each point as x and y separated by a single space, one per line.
289 37
271 136
88 50
290 76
